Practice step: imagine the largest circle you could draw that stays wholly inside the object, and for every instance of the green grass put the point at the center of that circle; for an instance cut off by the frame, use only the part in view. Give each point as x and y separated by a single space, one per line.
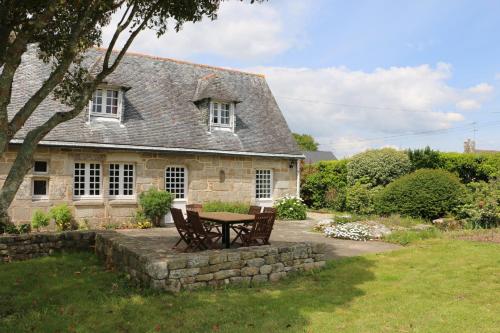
438 285
406 237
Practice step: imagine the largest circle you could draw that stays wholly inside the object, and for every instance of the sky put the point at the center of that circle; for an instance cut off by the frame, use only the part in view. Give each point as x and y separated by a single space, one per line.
357 74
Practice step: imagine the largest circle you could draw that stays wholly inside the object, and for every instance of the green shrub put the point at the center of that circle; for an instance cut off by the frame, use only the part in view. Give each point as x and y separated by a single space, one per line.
16 230
425 158
359 199
472 167
483 208
155 204
323 185
290 208
24 228
141 220
62 217
221 206
39 220
377 167
425 193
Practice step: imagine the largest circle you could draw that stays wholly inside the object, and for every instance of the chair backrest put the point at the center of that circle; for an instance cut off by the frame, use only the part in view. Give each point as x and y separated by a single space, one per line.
270 210
194 207
254 210
195 221
179 221
263 226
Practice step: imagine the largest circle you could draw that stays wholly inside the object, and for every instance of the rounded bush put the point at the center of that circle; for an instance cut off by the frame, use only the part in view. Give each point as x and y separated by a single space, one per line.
62 217
40 219
155 204
377 167
425 193
290 208
358 199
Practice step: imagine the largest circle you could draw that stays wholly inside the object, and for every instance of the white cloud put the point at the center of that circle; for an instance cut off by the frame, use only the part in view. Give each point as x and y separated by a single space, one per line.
468 104
482 88
241 31
350 111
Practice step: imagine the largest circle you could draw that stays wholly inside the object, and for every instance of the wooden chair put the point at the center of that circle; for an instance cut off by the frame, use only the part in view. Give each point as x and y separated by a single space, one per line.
261 230
245 227
254 210
270 210
183 228
204 239
194 207
209 226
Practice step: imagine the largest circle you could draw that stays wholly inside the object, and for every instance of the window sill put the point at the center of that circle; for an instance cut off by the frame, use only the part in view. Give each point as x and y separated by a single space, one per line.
122 202
88 202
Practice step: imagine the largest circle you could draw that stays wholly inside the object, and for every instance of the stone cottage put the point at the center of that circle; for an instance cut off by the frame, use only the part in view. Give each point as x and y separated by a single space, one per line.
203 133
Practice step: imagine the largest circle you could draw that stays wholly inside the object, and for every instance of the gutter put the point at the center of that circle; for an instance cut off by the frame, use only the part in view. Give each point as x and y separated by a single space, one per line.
158 149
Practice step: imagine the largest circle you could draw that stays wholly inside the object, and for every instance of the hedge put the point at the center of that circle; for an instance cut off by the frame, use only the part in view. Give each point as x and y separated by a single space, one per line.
425 193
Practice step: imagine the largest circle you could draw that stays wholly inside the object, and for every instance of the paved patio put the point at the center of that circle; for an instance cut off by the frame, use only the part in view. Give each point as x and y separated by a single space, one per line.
161 240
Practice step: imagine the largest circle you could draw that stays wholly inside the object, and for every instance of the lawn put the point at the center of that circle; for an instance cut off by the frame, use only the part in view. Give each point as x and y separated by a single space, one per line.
437 285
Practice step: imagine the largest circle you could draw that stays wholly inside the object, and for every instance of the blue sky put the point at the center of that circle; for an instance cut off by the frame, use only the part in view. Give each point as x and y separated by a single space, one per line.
362 74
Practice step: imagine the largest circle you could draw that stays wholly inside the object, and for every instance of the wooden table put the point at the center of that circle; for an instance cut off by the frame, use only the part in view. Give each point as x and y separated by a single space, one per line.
226 219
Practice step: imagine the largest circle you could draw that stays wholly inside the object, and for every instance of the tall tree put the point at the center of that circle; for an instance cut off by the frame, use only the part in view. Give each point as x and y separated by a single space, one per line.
62 31
306 142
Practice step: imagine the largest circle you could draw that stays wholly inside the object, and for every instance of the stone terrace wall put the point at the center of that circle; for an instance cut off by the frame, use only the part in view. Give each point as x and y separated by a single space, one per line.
176 271
27 246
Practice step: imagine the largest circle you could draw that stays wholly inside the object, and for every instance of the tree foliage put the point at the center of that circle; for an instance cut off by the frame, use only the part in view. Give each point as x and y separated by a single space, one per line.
323 185
306 142
425 158
377 167
62 31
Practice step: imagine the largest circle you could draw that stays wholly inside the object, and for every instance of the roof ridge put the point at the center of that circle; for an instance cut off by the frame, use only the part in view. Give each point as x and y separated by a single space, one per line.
138 54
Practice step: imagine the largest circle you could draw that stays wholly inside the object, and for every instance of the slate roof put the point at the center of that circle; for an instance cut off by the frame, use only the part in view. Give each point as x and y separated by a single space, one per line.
318 156
160 109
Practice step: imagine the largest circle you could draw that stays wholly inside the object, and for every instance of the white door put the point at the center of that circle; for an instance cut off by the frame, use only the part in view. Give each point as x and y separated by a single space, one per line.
176 182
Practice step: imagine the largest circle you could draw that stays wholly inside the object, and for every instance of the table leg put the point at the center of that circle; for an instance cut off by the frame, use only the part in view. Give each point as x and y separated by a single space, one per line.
226 239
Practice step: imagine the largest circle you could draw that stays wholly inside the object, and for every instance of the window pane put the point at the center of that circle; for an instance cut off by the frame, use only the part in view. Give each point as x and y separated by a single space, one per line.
40 166
175 181
215 118
111 101
94 179
128 179
97 101
263 184
40 187
224 114
79 179
114 179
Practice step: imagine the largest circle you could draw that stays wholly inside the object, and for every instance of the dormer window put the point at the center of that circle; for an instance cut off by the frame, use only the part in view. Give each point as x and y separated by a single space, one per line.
222 115
106 102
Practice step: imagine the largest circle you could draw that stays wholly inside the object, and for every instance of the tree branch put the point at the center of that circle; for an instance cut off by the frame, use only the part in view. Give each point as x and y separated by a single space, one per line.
119 29
54 79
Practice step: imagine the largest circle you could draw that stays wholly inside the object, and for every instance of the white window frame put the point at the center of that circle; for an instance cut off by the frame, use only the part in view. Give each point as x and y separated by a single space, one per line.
185 194
121 183
218 111
86 182
40 196
271 184
104 97
41 172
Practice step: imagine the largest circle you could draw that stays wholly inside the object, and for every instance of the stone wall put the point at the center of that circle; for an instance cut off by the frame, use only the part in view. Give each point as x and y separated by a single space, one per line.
27 246
176 271
205 181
